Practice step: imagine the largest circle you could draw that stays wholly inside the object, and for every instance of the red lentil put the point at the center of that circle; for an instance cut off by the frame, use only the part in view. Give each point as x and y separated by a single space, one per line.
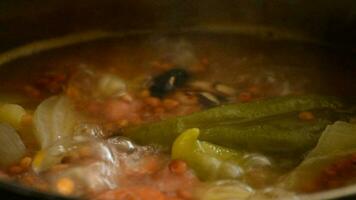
152 101
25 163
145 93
170 104
26 120
15 170
65 186
306 116
32 91
178 166
245 97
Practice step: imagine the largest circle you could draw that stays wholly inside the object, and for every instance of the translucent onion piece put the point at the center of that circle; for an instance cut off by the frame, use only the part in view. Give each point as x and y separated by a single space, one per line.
55 119
96 176
89 129
11 147
95 170
236 190
84 136
46 158
273 194
336 141
225 189
97 149
337 138
91 84
12 114
110 85
339 193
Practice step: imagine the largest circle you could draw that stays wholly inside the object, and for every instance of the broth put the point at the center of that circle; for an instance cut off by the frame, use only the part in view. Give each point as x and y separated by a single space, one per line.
121 83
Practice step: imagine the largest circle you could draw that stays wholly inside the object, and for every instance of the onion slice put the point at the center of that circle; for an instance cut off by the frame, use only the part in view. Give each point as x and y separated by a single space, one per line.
12 148
12 114
55 119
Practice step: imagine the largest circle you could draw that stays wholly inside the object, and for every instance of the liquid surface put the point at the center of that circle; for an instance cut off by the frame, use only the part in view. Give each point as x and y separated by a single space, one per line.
221 69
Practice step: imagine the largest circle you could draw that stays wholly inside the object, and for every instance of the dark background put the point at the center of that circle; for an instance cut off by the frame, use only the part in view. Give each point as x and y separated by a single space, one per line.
22 21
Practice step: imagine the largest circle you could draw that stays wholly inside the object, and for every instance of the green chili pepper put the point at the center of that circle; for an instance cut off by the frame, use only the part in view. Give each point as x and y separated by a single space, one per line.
260 109
209 161
267 125
268 137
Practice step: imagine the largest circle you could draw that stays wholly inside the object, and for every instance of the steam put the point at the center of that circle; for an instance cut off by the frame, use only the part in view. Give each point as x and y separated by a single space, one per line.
179 52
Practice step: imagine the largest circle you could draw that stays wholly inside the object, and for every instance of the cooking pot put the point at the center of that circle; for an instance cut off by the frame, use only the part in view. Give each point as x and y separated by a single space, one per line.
327 22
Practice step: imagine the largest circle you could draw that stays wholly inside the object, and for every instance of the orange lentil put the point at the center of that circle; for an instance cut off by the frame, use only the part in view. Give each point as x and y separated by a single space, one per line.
145 93
245 97
123 123
26 119
65 186
3 175
178 167
151 165
306 116
31 91
254 89
73 92
152 101
25 163
15 170
184 194
170 104
159 110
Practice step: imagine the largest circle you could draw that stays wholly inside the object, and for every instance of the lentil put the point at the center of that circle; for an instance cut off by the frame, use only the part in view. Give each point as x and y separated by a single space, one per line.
145 93
15 170
245 97
178 167
65 186
306 116
26 162
152 101
170 104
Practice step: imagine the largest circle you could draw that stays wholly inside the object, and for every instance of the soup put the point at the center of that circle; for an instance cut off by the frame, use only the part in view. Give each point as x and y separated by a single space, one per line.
180 116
